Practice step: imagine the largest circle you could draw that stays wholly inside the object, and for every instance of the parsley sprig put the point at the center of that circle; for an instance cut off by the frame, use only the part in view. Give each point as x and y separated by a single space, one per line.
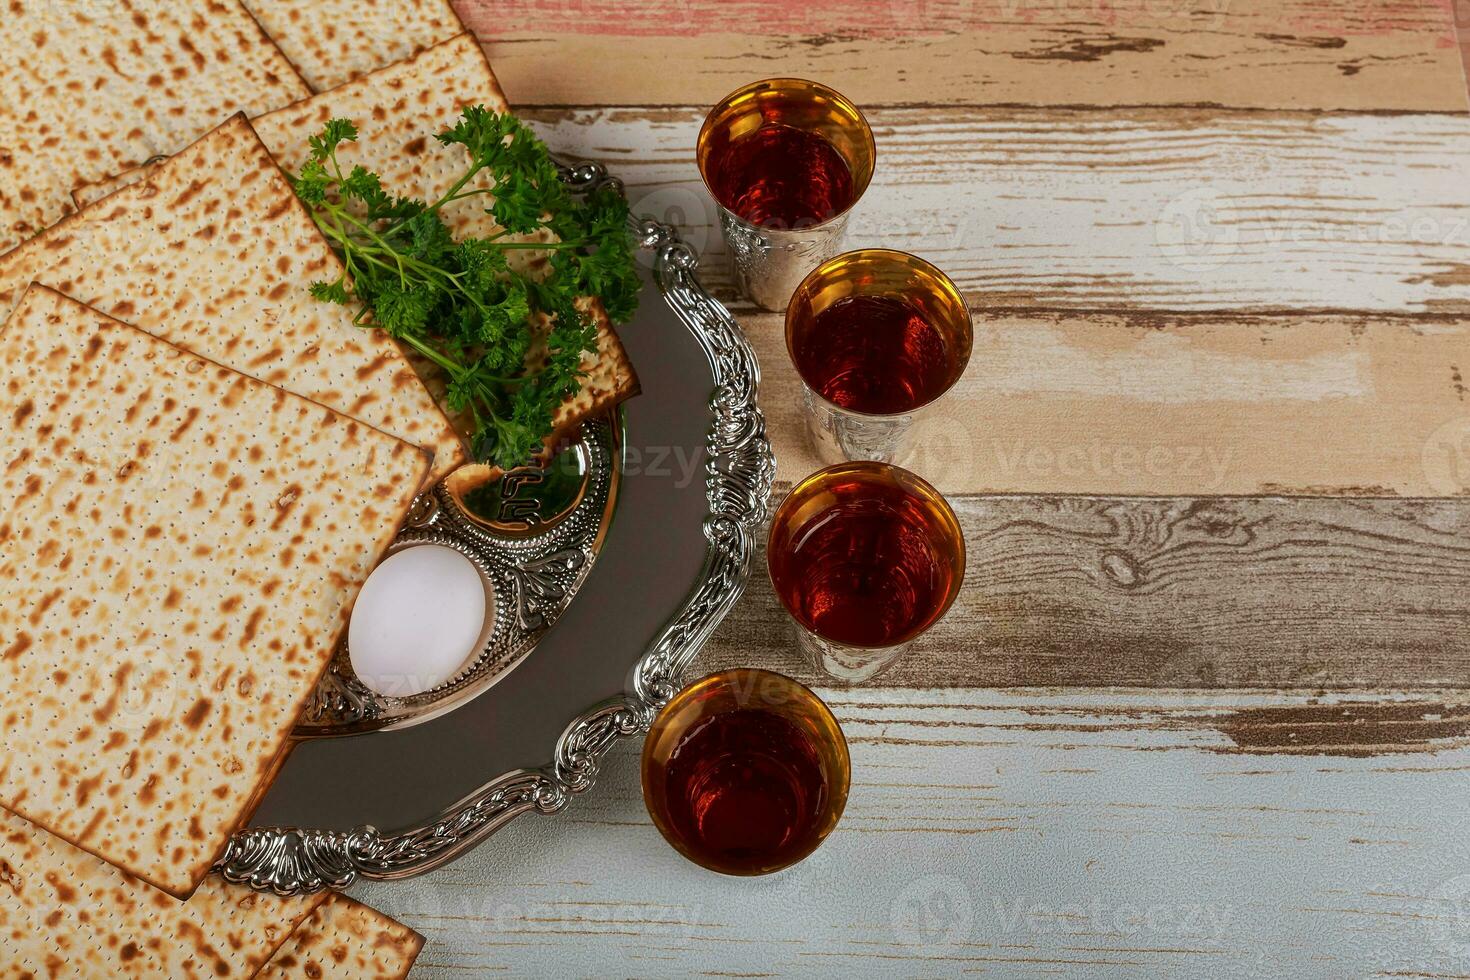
460 304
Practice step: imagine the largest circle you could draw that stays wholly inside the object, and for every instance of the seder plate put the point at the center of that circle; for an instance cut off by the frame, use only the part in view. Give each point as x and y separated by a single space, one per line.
665 548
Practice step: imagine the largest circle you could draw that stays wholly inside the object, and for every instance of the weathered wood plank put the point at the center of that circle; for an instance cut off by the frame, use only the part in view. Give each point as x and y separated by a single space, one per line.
1188 592
1184 209
1011 834
1163 405
1462 31
1327 54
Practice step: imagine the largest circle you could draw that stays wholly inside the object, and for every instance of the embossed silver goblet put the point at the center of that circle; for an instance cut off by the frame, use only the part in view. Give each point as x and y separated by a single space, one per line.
877 337
786 160
865 557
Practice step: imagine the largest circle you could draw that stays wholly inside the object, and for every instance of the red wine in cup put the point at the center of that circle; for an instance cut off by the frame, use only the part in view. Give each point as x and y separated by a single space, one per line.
746 790
782 177
873 354
873 568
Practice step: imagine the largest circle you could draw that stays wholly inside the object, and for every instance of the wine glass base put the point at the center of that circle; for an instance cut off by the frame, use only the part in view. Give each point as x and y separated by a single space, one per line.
848 664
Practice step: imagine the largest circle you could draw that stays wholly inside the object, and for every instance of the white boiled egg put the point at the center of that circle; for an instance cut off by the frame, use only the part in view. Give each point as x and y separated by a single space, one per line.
417 620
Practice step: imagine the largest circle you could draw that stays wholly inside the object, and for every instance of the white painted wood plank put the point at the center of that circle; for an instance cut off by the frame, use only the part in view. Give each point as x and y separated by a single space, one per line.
1145 208
1322 54
1195 592
1157 404
1028 833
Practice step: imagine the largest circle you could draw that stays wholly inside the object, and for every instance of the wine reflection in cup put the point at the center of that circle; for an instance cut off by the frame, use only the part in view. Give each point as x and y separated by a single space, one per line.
745 772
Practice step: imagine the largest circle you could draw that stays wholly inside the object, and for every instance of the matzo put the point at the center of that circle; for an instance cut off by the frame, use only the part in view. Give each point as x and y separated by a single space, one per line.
90 88
345 940
179 545
64 913
397 111
335 41
213 252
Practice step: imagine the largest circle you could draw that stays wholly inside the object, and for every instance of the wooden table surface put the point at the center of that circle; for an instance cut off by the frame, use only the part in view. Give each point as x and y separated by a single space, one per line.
1202 710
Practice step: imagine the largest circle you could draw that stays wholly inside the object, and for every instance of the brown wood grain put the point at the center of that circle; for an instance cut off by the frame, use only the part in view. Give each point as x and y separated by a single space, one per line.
1174 404
1185 821
1183 592
1462 31
1330 54
1146 726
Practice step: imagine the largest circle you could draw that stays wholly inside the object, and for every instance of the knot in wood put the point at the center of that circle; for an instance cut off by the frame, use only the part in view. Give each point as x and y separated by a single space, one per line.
1123 569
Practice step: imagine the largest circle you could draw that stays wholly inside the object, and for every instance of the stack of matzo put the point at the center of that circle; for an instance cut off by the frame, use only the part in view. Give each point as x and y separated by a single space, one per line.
89 89
214 252
397 109
185 539
152 667
64 913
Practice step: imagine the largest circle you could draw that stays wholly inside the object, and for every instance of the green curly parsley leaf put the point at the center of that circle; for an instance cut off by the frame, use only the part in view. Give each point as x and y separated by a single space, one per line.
459 303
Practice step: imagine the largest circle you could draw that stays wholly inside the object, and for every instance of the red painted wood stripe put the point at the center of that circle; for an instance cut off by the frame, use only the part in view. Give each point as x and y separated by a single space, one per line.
842 21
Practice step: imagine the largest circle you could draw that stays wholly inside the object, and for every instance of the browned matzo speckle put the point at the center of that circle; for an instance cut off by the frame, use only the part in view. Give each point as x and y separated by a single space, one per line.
343 938
216 299
442 80
132 111
141 669
65 913
363 35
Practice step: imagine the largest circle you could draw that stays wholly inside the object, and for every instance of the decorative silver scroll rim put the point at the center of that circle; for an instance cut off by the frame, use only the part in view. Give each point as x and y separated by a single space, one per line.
534 578
738 479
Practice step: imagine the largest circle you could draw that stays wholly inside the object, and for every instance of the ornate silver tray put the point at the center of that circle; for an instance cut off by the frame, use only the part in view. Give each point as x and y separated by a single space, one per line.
690 469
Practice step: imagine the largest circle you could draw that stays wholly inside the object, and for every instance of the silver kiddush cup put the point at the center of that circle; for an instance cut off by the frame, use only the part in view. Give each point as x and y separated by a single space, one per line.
839 433
865 558
770 261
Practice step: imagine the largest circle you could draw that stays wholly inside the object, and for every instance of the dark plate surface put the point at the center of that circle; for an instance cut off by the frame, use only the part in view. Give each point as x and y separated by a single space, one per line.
650 561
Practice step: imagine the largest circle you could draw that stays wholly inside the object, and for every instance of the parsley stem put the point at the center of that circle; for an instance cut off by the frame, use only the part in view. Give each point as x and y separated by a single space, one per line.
350 247
475 168
342 213
455 369
547 246
469 194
